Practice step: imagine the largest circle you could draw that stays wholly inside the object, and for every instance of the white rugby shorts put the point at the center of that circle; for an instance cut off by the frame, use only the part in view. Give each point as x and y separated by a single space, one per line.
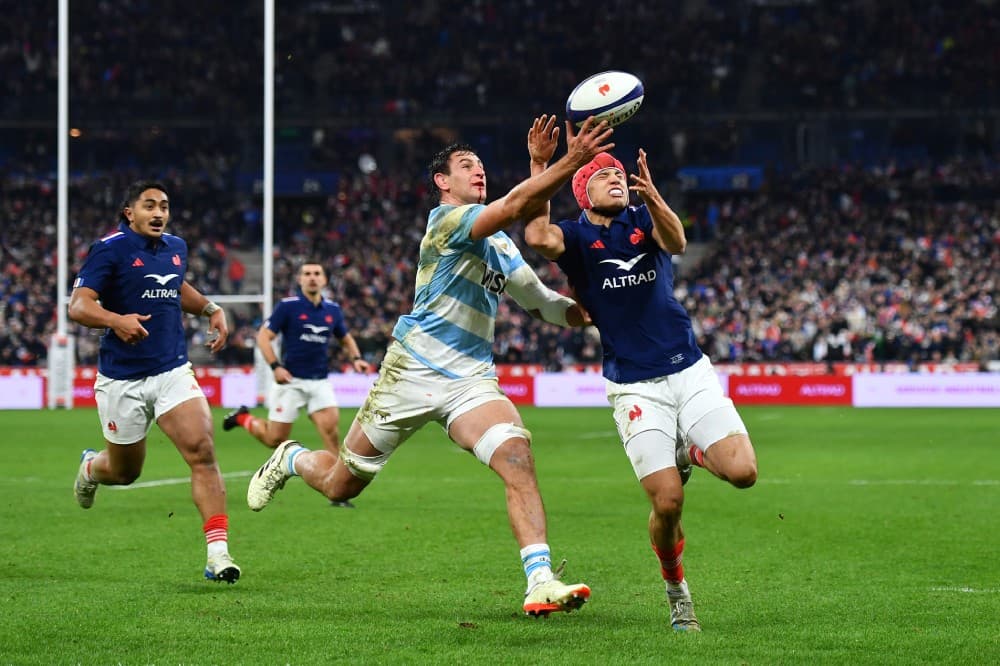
690 403
129 407
285 400
407 395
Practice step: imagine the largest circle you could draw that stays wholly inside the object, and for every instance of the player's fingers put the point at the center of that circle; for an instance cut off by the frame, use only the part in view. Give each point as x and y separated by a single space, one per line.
606 148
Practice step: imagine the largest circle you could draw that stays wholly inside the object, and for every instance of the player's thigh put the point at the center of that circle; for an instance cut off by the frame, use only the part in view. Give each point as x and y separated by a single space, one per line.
189 427
183 415
276 431
326 420
125 414
470 425
285 400
707 415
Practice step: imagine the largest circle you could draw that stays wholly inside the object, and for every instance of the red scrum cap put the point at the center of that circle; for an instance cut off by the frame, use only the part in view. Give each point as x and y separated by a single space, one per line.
581 179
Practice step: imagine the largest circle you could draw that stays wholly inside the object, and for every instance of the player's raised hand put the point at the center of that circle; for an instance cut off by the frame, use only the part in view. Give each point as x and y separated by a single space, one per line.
593 138
642 183
217 323
543 137
129 328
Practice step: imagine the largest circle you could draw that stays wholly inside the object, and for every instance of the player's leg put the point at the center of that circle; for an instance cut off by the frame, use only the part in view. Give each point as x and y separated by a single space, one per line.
494 433
730 458
717 437
327 422
124 421
509 455
666 497
343 475
189 427
322 408
183 415
645 414
116 465
285 400
393 410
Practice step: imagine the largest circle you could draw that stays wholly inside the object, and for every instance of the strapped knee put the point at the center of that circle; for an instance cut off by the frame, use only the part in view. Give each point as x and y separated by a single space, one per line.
495 436
365 468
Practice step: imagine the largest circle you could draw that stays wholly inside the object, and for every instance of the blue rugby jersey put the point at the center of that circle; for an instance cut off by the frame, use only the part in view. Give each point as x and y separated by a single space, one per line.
626 283
305 331
135 274
458 287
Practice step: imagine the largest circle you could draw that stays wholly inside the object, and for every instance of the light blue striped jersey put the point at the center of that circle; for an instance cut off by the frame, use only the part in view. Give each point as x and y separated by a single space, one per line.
459 283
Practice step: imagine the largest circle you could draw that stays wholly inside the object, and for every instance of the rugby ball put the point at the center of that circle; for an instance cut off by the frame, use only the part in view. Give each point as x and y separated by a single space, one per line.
613 96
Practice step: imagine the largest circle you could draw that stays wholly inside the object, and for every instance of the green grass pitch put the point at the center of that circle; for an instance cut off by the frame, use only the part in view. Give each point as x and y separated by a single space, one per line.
871 537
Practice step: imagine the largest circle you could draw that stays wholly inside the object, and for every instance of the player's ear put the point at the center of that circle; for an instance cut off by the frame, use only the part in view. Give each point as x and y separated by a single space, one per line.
441 180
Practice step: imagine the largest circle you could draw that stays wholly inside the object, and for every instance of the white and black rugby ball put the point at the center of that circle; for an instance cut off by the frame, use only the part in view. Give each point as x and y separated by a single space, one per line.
613 96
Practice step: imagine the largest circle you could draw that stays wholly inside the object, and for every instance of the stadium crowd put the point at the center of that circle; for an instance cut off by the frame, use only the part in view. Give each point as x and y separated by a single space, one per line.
399 57
826 264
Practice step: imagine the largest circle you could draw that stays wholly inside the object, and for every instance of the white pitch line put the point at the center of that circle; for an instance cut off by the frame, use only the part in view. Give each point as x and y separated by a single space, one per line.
176 482
967 590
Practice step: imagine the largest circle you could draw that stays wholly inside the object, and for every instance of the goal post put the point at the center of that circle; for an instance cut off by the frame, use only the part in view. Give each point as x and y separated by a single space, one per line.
62 344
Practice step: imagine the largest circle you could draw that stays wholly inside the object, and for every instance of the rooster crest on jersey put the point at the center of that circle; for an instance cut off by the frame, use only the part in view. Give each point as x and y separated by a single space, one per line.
613 96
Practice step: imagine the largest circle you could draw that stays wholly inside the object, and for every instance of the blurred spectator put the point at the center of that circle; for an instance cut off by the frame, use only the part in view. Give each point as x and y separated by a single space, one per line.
237 273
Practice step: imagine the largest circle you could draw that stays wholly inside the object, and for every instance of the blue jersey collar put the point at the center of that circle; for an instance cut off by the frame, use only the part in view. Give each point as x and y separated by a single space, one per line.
621 218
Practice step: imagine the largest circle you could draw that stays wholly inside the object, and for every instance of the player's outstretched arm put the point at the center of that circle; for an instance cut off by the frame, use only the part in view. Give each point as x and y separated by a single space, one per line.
529 196
530 293
538 233
668 232
543 137
194 302
85 308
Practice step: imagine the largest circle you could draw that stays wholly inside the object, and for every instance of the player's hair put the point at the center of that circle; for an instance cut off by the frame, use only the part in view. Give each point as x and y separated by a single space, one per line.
439 163
311 262
135 191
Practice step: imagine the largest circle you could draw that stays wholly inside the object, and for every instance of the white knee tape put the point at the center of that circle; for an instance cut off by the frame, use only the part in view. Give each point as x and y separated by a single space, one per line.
363 467
494 437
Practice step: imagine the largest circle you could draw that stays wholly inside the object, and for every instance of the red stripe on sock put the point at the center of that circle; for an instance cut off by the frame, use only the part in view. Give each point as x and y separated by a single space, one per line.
217 528
671 564
697 456
243 420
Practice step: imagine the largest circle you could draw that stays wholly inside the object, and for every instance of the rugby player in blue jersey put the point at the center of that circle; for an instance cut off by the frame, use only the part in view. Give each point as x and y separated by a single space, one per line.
132 285
306 323
439 368
661 386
